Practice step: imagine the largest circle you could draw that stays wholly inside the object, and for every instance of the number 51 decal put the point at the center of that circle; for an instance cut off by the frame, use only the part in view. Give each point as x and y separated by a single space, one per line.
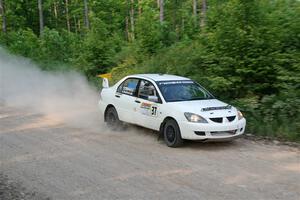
154 110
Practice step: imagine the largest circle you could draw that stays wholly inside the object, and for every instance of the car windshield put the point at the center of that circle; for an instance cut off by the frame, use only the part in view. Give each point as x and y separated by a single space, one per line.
185 90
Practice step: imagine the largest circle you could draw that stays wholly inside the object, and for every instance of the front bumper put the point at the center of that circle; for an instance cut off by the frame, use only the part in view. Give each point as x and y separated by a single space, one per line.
212 131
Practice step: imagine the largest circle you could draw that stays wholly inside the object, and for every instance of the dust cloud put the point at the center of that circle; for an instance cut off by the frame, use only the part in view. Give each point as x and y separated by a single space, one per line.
63 96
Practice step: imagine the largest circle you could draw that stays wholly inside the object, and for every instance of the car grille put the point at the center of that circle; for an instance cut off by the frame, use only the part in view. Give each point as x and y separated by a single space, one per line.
223 133
217 119
220 119
231 118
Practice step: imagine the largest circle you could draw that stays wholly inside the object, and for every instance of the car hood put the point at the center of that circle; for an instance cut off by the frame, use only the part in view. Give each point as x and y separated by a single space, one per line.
206 108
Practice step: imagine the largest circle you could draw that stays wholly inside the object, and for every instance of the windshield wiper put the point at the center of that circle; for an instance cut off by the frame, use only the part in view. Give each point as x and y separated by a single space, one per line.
199 98
195 99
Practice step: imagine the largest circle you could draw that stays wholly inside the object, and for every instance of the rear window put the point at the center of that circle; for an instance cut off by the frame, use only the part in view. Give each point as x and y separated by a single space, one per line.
129 87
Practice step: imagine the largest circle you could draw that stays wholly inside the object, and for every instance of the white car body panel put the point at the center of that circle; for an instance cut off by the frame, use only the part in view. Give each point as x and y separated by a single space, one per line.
142 113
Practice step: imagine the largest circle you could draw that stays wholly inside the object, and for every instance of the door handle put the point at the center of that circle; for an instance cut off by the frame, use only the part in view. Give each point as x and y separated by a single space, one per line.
137 101
117 96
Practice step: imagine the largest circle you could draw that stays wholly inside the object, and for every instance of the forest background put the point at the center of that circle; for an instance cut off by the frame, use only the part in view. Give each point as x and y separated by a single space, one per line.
246 52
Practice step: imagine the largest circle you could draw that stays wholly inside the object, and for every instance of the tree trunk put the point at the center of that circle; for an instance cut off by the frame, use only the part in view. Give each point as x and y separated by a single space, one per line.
79 25
40 7
203 13
127 34
75 24
55 9
86 15
67 15
2 12
161 11
132 19
55 13
195 13
140 7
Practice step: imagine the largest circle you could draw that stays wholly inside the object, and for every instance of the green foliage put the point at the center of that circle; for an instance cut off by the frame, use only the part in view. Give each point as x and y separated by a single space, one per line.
52 45
149 33
23 42
98 49
247 54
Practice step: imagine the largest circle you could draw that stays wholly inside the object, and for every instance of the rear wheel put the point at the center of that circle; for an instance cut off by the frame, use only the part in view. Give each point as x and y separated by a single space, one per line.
112 119
172 135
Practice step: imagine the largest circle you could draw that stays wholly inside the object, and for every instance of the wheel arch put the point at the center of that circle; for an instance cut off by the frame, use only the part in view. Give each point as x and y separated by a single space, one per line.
178 140
161 128
106 109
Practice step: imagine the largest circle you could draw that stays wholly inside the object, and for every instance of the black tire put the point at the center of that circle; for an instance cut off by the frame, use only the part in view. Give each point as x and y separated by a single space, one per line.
112 119
172 135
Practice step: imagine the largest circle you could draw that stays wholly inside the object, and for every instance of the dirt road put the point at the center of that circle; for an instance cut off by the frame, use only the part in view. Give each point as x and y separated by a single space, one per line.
62 161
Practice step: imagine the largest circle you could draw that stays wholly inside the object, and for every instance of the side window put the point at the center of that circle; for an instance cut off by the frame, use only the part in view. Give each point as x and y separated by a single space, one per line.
147 91
128 87
119 90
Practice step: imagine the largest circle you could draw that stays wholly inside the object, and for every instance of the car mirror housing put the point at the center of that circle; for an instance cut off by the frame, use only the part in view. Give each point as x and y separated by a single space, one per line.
153 98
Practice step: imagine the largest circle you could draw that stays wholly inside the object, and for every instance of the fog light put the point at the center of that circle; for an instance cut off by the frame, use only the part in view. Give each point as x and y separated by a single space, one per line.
202 133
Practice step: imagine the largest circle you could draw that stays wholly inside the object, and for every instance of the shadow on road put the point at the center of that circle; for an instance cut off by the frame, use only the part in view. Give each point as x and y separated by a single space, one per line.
188 144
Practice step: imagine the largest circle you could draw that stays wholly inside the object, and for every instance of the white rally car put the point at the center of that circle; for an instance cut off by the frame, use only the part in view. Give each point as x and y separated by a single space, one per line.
177 107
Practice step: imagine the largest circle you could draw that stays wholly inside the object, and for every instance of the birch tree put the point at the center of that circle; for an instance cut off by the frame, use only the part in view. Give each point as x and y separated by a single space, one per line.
203 13
41 17
132 18
195 7
86 15
67 15
2 12
161 11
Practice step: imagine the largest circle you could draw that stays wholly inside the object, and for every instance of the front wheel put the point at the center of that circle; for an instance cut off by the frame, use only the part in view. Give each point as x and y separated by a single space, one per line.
112 119
172 135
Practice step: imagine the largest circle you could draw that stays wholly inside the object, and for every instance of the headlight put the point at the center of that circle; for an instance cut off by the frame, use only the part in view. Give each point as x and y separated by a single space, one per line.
240 115
191 117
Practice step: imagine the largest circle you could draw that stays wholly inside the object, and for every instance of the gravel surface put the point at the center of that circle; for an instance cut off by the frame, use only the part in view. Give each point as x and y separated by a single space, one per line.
41 157
15 191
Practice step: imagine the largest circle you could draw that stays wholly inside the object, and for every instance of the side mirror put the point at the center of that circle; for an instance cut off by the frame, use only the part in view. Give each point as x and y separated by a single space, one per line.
105 83
153 98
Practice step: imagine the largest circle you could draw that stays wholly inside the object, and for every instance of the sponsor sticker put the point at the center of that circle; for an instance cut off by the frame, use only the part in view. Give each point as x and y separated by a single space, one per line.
146 105
149 109
175 82
228 107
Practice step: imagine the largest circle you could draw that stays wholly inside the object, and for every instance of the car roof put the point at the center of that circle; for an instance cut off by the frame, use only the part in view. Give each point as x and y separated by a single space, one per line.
160 77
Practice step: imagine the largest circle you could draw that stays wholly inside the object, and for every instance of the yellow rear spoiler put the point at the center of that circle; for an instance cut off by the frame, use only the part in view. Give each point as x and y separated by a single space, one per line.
108 75
105 77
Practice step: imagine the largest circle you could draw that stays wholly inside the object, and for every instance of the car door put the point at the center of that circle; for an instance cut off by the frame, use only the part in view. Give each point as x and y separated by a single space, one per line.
148 111
125 97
